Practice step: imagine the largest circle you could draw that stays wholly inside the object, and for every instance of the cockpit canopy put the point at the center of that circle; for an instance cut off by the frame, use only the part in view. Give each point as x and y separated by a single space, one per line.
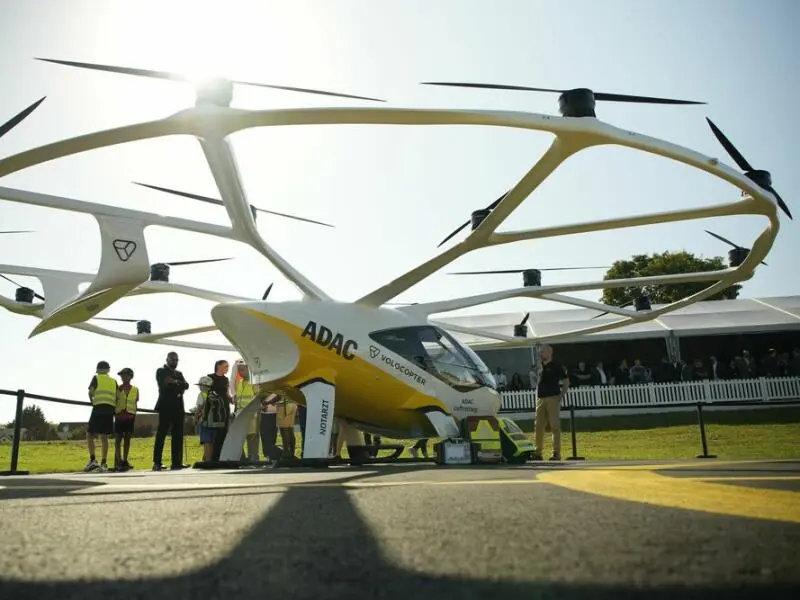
439 353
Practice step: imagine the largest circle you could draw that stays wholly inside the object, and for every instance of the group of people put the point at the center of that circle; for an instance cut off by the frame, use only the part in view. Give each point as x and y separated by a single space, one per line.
115 404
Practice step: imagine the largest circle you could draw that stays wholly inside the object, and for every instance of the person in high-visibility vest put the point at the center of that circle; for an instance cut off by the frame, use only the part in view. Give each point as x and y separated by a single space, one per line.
103 394
127 403
244 395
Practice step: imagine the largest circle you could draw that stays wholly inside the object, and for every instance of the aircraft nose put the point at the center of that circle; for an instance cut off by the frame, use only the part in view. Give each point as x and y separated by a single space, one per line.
270 353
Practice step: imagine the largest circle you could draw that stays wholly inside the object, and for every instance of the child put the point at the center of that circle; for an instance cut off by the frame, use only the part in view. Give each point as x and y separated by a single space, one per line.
127 402
210 415
103 394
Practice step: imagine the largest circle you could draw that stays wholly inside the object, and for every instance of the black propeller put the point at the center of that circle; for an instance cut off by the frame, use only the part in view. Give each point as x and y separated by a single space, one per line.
628 303
741 251
221 203
477 215
578 102
758 176
16 231
266 293
523 270
160 271
143 326
23 291
19 117
186 79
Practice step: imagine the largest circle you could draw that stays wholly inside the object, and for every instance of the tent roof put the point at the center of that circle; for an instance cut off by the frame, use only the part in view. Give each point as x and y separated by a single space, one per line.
711 317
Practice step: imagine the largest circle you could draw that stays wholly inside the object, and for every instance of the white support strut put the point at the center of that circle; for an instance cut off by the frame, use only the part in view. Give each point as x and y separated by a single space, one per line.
213 124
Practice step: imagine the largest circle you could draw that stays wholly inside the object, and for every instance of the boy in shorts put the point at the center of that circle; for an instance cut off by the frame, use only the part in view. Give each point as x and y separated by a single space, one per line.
103 394
127 403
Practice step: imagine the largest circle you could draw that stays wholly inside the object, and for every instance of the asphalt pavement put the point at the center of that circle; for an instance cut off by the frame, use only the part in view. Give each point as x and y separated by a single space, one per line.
698 529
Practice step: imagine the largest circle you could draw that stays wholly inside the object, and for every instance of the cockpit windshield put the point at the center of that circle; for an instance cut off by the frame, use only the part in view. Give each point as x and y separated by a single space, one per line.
438 353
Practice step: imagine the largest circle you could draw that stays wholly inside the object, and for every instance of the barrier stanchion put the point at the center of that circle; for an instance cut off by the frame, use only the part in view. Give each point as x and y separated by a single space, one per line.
574 439
17 435
702 424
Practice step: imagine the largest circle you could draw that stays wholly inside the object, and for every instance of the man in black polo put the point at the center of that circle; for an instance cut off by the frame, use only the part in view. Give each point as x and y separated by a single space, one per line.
171 386
553 385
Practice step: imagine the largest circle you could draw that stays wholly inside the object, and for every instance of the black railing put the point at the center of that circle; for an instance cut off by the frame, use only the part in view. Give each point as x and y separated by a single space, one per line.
21 395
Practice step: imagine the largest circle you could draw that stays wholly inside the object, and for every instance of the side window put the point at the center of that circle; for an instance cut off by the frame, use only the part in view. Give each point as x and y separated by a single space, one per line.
437 353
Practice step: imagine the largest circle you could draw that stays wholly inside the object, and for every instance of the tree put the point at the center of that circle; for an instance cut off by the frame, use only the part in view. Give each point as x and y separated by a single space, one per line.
34 421
666 263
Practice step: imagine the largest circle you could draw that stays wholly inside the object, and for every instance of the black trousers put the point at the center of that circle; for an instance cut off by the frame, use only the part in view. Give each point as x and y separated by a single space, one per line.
268 430
170 422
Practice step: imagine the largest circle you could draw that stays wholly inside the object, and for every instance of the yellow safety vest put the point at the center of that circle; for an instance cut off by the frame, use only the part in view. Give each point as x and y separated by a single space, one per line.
106 390
244 393
127 402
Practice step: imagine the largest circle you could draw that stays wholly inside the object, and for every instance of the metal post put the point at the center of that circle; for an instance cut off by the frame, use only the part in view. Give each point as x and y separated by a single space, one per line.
574 439
17 435
702 424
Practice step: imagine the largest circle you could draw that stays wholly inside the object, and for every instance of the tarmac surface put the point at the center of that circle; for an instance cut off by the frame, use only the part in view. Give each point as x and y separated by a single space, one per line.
571 530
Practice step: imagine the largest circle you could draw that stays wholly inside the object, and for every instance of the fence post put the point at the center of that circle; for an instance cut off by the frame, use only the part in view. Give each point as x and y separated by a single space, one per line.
702 424
17 434
574 439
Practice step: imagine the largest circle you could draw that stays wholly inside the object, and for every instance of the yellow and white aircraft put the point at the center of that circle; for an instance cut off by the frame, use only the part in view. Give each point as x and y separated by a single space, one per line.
384 369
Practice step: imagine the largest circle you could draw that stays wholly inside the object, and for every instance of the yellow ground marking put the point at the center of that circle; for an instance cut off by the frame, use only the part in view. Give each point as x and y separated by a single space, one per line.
640 483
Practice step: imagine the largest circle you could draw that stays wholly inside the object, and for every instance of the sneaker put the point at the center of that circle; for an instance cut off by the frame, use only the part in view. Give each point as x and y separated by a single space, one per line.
555 457
414 452
157 467
91 466
537 456
103 468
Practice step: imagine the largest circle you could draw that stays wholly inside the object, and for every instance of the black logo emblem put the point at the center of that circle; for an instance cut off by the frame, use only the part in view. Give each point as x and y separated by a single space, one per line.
124 249
374 351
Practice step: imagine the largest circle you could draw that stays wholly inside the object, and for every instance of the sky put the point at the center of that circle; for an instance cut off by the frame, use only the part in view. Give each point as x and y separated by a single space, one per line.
392 192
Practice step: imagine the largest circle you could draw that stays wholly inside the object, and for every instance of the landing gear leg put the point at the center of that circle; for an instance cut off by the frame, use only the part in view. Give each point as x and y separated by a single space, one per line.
320 402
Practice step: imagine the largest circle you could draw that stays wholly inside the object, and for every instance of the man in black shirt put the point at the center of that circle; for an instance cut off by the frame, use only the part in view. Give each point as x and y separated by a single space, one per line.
553 385
171 386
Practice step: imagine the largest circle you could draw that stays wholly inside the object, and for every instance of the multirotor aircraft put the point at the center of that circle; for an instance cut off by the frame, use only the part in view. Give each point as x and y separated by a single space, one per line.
384 369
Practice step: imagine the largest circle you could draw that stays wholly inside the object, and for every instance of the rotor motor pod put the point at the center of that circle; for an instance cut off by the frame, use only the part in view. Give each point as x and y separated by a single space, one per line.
478 217
577 103
642 303
736 256
143 327
520 330
532 278
24 294
159 272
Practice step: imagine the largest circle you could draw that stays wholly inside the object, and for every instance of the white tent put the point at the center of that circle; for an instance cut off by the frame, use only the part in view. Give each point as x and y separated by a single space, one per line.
713 317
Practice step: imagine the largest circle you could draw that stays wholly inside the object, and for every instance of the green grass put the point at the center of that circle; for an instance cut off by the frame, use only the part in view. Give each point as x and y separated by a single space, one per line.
750 434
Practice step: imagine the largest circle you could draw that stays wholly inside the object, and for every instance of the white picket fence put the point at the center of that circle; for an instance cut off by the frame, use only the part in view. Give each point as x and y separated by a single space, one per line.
661 394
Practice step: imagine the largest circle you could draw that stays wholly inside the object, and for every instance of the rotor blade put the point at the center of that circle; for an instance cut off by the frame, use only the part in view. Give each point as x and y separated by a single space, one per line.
221 203
781 203
17 231
19 117
729 147
269 289
628 303
453 233
119 320
597 95
306 90
521 270
194 262
601 96
722 239
525 320
21 286
122 70
490 86
492 206
186 79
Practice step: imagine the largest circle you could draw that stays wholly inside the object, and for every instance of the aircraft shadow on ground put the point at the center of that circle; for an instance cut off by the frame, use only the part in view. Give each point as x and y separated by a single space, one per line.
314 544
